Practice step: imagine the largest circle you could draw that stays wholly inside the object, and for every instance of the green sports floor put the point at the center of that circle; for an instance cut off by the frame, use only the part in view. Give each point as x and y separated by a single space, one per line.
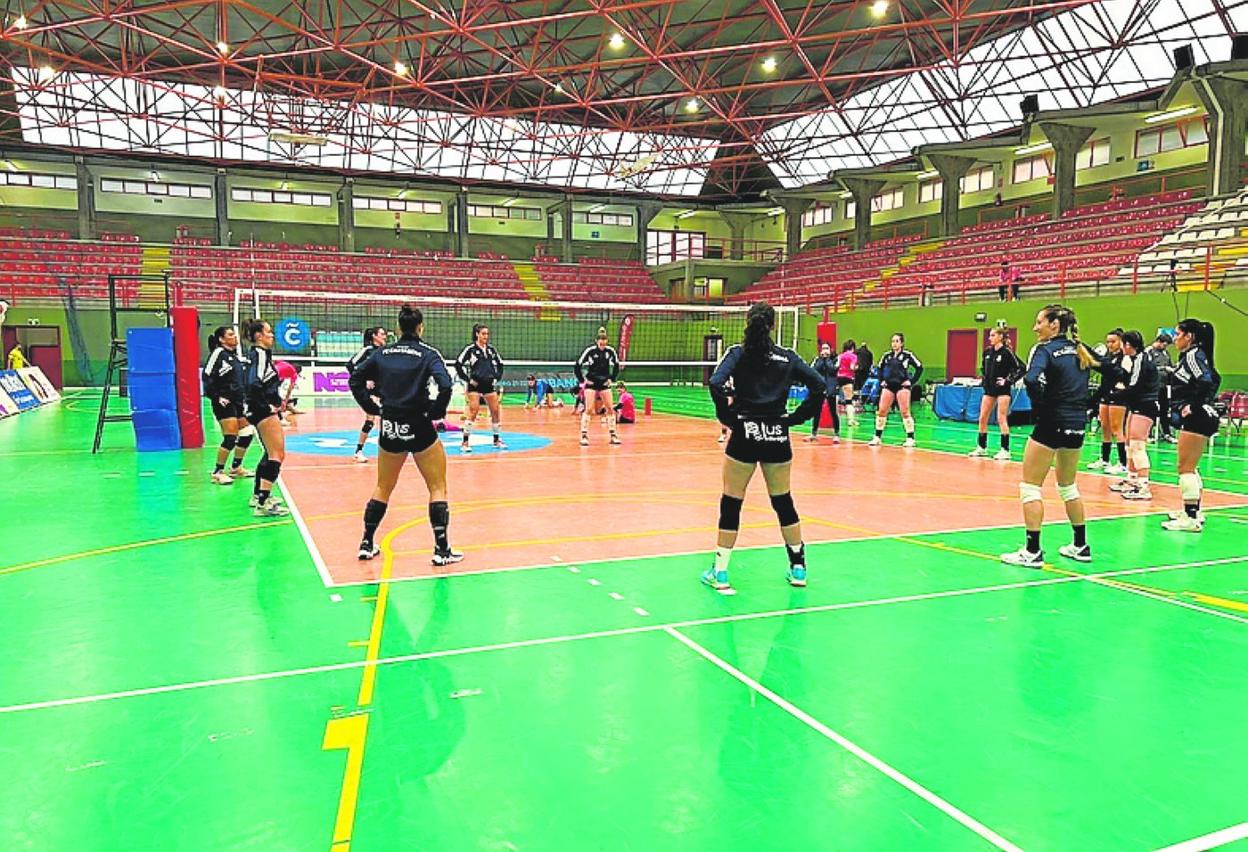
179 678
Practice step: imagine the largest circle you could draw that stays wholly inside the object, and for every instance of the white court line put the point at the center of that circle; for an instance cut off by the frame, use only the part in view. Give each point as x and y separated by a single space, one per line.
313 550
853 748
1210 841
706 552
621 631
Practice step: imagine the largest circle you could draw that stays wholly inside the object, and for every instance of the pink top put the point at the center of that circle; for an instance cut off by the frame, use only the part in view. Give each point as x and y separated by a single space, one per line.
628 406
846 364
285 371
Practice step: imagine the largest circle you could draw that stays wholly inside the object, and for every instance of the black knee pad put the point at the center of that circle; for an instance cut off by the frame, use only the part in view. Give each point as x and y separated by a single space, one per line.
245 441
269 470
730 512
367 427
228 442
785 510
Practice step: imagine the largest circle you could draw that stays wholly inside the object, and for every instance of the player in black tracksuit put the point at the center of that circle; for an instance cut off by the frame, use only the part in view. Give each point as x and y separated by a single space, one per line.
262 400
1057 382
482 370
1001 368
401 374
825 366
1137 372
223 376
760 374
596 369
1112 406
1194 385
899 371
373 338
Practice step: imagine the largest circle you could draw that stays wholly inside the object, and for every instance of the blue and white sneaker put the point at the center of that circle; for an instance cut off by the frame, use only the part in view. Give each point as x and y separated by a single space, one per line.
796 575
718 580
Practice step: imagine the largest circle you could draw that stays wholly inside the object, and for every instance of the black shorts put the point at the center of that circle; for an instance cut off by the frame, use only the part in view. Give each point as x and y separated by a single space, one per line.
842 381
232 409
1148 408
1058 437
406 434
759 441
998 391
1201 420
895 387
483 388
592 385
256 415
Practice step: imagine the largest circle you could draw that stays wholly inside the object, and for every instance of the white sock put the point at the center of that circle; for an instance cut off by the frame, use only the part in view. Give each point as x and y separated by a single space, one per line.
584 422
722 555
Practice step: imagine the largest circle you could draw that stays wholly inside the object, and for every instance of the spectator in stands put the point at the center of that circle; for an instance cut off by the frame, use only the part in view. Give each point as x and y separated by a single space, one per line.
1006 282
17 358
626 408
1015 284
1159 354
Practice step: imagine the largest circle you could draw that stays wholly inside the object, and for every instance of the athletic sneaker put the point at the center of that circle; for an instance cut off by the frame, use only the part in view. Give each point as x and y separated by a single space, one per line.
1174 516
1122 485
584 440
836 439
369 550
255 500
1099 464
615 441
360 458
1115 469
1024 557
241 472
1184 523
1079 554
875 441
909 442
1169 439
977 453
1001 455
810 439
499 445
446 557
796 575
270 509
465 448
1140 492
222 478
718 580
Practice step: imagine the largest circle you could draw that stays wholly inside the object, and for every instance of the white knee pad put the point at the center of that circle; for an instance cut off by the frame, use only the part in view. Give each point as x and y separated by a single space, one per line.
1138 450
908 422
1029 493
1068 492
1190 486
880 422
247 431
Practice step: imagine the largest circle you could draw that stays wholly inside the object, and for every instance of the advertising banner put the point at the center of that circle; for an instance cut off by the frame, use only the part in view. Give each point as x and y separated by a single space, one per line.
7 406
38 384
11 383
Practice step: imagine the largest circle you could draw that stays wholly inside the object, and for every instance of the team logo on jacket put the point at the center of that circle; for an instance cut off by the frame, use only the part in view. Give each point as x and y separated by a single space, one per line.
769 432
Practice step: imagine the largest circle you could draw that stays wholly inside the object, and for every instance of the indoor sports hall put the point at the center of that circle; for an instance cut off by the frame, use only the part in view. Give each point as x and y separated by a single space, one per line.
541 234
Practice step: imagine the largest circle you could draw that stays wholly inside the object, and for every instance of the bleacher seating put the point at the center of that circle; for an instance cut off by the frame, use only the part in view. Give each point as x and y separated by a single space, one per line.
1215 223
49 265
597 279
824 275
1087 244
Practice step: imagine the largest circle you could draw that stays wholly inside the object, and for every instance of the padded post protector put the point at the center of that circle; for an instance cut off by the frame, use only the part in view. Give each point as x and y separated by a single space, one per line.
186 376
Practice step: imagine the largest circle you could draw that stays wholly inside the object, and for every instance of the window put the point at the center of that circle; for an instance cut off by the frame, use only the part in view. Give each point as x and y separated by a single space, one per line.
1171 137
1095 153
1033 168
889 199
155 188
817 215
40 181
485 211
850 209
395 205
931 190
622 220
978 179
669 246
265 196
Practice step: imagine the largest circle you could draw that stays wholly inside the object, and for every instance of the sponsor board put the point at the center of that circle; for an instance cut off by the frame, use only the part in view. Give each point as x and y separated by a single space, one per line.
11 383
38 384
7 406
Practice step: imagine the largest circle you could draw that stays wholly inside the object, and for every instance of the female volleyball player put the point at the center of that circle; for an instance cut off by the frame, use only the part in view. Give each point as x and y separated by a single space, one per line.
262 400
401 374
374 338
1193 385
825 365
597 368
761 373
846 371
481 368
899 370
1112 405
1143 387
1057 382
223 376
1001 368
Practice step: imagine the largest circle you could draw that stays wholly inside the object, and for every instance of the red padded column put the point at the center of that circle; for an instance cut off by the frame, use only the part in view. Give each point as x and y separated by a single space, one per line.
186 376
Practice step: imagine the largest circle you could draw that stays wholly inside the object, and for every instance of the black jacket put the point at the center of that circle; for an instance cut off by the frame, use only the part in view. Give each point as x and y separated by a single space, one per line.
1001 364
1193 381
359 357
224 374
597 365
401 374
898 367
1057 384
826 367
760 386
479 365
262 387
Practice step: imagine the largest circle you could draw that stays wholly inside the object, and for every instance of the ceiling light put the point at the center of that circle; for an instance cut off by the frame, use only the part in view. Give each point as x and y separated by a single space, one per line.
285 185
775 211
219 92
597 208
769 64
879 8
686 214
46 73
692 105
20 22
223 48
8 164
559 88
400 68
616 42
847 195
1034 149
1174 113
928 175
155 176
510 201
